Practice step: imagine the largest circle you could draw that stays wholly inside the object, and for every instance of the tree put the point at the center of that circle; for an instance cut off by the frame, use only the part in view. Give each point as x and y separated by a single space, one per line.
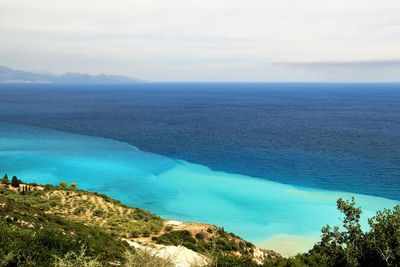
63 184
353 235
15 182
5 179
73 186
353 247
23 190
342 248
384 236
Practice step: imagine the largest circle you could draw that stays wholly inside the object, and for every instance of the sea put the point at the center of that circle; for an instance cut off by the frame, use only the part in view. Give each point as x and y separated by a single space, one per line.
265 160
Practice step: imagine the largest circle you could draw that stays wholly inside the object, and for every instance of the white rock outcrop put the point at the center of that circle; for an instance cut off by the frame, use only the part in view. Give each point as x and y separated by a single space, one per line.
180 256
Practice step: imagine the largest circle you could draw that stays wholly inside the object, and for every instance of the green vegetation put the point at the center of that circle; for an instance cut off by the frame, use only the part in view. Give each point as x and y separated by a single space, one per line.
223 248
91 208
72 186
31 247
352 247
4 180
64 226
183 238
145 259
15 182
30 237
73 259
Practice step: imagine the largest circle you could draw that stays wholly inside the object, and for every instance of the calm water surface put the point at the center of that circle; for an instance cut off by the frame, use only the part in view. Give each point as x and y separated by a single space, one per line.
330 136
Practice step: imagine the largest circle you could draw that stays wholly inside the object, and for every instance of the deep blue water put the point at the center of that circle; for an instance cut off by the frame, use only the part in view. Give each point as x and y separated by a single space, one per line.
342 137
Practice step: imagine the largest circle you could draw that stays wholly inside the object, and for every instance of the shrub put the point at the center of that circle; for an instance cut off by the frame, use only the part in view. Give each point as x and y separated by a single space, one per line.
5 180
48 187
229 260
135 233
15 182
63 184
98 213
176 238
33 248
201 236
78 211
146 233
168 228
353 247
144 259
72 259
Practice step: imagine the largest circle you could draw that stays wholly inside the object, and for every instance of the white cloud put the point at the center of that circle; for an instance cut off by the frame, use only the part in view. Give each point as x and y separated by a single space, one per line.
187 39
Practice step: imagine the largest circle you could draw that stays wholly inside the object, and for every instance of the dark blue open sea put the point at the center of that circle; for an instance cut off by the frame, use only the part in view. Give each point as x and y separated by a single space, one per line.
336 137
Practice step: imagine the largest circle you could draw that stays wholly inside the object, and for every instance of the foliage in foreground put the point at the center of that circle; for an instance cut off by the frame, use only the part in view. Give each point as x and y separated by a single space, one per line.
380 246
350 247
25 247
73 259
30 237
144 259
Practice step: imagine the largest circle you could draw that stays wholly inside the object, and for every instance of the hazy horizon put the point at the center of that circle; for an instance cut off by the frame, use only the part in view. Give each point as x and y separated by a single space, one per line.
206 41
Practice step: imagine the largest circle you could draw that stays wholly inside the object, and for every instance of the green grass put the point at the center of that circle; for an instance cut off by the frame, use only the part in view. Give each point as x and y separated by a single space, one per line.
29 237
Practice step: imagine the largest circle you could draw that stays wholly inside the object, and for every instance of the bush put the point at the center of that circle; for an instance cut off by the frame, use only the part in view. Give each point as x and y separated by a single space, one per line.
168 228
78 211
135 233
15 182
72 259
201 236
146 233
183 238
353 247
33 248
98 213
144 259
5 180
229 260
48 187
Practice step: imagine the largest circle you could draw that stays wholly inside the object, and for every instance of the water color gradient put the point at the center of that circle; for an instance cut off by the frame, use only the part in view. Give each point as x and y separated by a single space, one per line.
259 210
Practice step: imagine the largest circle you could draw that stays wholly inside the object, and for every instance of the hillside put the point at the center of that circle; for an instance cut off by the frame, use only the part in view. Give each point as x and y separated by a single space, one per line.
108 229
63 226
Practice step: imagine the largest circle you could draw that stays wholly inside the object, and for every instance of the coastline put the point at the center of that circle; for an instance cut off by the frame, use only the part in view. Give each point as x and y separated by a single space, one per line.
289 245
254 208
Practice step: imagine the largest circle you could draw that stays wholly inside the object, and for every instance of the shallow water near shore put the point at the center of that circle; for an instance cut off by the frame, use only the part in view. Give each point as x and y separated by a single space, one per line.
256 209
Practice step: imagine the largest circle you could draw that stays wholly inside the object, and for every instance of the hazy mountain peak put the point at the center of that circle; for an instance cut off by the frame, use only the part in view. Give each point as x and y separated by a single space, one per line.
8 75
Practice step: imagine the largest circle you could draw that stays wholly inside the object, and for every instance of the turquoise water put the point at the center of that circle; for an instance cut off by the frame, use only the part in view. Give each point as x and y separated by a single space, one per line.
256 209
339 137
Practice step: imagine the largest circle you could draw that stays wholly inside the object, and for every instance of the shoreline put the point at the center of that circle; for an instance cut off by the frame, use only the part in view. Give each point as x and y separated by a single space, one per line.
289 245
251 207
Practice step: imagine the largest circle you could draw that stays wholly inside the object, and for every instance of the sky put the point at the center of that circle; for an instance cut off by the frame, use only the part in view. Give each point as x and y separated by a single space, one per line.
205 40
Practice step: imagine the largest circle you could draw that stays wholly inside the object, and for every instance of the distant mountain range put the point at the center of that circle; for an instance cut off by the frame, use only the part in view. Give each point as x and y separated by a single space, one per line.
8 75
